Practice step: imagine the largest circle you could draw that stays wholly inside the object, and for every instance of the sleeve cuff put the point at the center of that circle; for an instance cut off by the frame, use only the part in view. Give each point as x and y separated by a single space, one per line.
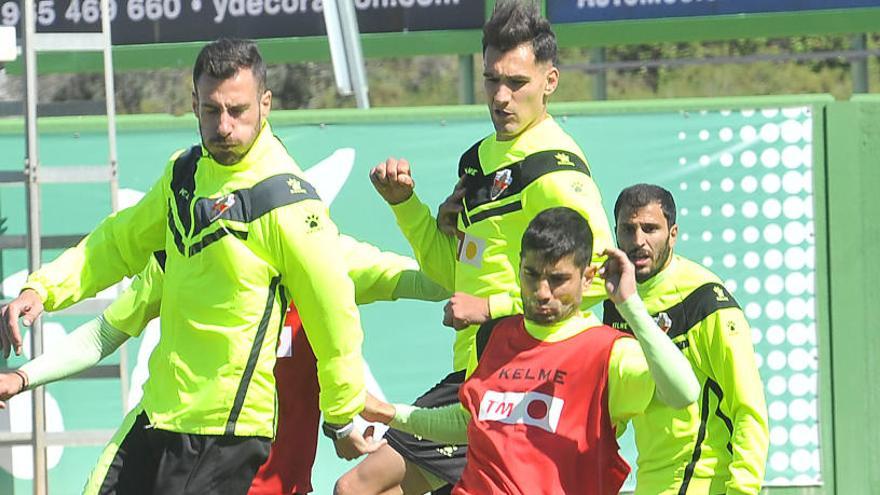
402 412
409 210
500 305
40 290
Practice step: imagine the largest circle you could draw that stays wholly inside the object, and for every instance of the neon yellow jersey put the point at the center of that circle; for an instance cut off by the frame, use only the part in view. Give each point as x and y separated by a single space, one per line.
718 444
508 184
377 276
241 240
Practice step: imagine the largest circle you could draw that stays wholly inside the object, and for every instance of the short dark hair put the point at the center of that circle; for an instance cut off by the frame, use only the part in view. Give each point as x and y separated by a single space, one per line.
559 232
641 195
223 58
515 22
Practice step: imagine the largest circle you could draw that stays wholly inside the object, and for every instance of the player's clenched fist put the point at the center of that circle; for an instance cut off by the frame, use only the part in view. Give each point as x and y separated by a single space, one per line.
393 181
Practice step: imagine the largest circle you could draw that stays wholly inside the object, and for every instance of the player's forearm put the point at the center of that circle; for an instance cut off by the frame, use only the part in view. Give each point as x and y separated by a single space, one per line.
446 424
324 296
386 276
676 384
434 250
415 284
750 444
118 247
74 353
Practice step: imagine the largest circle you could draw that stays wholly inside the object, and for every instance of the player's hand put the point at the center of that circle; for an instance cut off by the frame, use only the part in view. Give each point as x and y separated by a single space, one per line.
26 306
377 411
619 274
464 310
447 214
11 384
356 445
393 181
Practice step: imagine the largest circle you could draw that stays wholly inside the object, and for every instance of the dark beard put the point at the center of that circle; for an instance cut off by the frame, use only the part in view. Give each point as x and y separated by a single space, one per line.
662 260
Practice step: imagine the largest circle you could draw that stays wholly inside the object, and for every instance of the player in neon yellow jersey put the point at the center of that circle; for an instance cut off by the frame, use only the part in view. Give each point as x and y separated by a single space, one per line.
527 165
377 275
719 444
243 233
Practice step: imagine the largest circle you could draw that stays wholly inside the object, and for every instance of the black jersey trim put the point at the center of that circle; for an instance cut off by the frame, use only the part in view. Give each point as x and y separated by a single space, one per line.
248 373
698 446
480 188
483 334
719 393
694 308
161 257
250 204
183 183
215 236
494 212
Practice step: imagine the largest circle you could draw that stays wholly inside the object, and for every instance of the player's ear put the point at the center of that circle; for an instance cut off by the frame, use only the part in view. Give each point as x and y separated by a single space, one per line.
551 81
673 235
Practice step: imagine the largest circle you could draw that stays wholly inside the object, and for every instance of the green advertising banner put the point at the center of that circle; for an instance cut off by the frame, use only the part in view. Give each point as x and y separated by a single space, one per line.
742 178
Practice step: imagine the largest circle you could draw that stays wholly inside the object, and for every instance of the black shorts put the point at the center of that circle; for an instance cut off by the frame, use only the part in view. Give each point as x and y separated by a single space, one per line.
142 460
445 461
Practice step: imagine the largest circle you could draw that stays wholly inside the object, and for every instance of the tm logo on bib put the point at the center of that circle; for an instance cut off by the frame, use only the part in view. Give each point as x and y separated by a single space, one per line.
529 408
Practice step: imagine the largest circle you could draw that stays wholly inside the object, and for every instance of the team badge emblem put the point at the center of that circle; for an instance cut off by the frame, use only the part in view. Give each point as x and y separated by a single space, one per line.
663 321
221 205
502 181
563 159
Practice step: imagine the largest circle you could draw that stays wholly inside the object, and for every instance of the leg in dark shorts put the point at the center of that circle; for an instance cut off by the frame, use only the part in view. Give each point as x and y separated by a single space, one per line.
144 460
444 461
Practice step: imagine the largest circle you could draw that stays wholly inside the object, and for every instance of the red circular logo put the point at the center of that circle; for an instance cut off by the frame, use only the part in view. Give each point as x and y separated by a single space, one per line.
537 409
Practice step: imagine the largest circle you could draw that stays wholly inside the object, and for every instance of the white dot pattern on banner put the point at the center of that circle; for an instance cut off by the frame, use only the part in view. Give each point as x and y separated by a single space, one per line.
728 210
684 212
751 234
752 285
751 260
773 234
770 133
773 259
774 285
778 436
750 209
726 159
760 236
776 335
727 184
770 158
748 159
776 385
792 157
